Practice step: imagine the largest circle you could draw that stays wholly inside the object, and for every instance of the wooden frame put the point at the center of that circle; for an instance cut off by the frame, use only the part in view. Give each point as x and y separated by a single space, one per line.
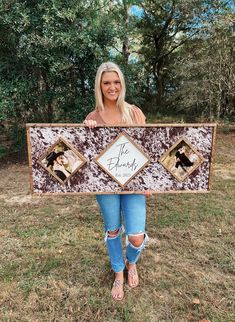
154 139
51 150
110 146
192 168
212 154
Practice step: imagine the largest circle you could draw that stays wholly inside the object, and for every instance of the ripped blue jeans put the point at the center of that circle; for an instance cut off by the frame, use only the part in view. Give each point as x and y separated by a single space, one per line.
133 210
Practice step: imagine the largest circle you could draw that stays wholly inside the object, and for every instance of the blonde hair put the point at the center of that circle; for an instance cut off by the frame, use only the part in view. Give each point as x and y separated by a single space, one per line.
125 108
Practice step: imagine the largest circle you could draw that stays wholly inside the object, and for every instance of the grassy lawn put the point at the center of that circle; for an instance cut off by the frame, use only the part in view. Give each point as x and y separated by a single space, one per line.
54 266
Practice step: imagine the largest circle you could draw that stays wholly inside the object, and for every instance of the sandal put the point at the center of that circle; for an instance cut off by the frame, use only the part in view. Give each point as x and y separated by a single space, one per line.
117 290
132 277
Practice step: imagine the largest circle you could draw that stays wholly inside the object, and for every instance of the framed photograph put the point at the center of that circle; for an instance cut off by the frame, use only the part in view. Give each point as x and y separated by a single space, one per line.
62 160
181 159
163 158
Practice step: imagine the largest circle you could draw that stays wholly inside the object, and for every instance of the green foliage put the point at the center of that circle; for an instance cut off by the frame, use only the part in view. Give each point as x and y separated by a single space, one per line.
226 126
3 151
49 58
17 136
177 57
170 31
206 73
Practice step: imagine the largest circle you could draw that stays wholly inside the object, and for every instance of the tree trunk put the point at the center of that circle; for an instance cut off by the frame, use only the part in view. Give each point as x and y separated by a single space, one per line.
125 44
159 82
50 112
49 106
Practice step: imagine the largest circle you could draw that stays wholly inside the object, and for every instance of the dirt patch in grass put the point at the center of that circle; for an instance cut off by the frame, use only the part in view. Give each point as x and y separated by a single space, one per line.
226 172
224 166
54 265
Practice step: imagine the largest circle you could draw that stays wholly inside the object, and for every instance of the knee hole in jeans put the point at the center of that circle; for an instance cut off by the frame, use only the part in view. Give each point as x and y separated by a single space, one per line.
113 233
136 239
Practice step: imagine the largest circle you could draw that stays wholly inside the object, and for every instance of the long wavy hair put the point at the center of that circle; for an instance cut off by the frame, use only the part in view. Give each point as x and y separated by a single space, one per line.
125 108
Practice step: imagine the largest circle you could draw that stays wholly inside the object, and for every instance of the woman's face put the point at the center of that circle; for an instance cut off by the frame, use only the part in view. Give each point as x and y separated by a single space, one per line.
110 86
62 160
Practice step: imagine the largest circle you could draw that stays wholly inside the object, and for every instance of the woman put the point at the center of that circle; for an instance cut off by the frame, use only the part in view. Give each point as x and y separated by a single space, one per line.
111 109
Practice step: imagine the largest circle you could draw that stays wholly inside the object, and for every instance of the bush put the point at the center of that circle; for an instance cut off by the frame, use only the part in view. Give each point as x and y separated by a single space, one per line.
3 151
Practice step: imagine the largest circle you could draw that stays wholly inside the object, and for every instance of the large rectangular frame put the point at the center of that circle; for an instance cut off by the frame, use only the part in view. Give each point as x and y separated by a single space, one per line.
154 139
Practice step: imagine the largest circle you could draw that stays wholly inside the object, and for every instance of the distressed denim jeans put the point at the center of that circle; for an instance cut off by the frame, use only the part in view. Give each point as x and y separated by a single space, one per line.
133 210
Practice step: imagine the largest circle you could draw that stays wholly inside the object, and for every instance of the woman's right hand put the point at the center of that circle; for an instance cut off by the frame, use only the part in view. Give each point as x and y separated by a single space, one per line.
90 123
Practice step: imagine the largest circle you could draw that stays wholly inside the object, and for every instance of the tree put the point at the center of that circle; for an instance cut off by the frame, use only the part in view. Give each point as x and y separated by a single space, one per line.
207 72
49 56
166 27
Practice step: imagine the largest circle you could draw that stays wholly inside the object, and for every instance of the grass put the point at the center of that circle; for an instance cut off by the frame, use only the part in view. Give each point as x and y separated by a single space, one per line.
54 265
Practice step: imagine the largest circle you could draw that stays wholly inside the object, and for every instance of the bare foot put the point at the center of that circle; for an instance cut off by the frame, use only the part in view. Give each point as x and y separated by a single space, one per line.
133 278
117 289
